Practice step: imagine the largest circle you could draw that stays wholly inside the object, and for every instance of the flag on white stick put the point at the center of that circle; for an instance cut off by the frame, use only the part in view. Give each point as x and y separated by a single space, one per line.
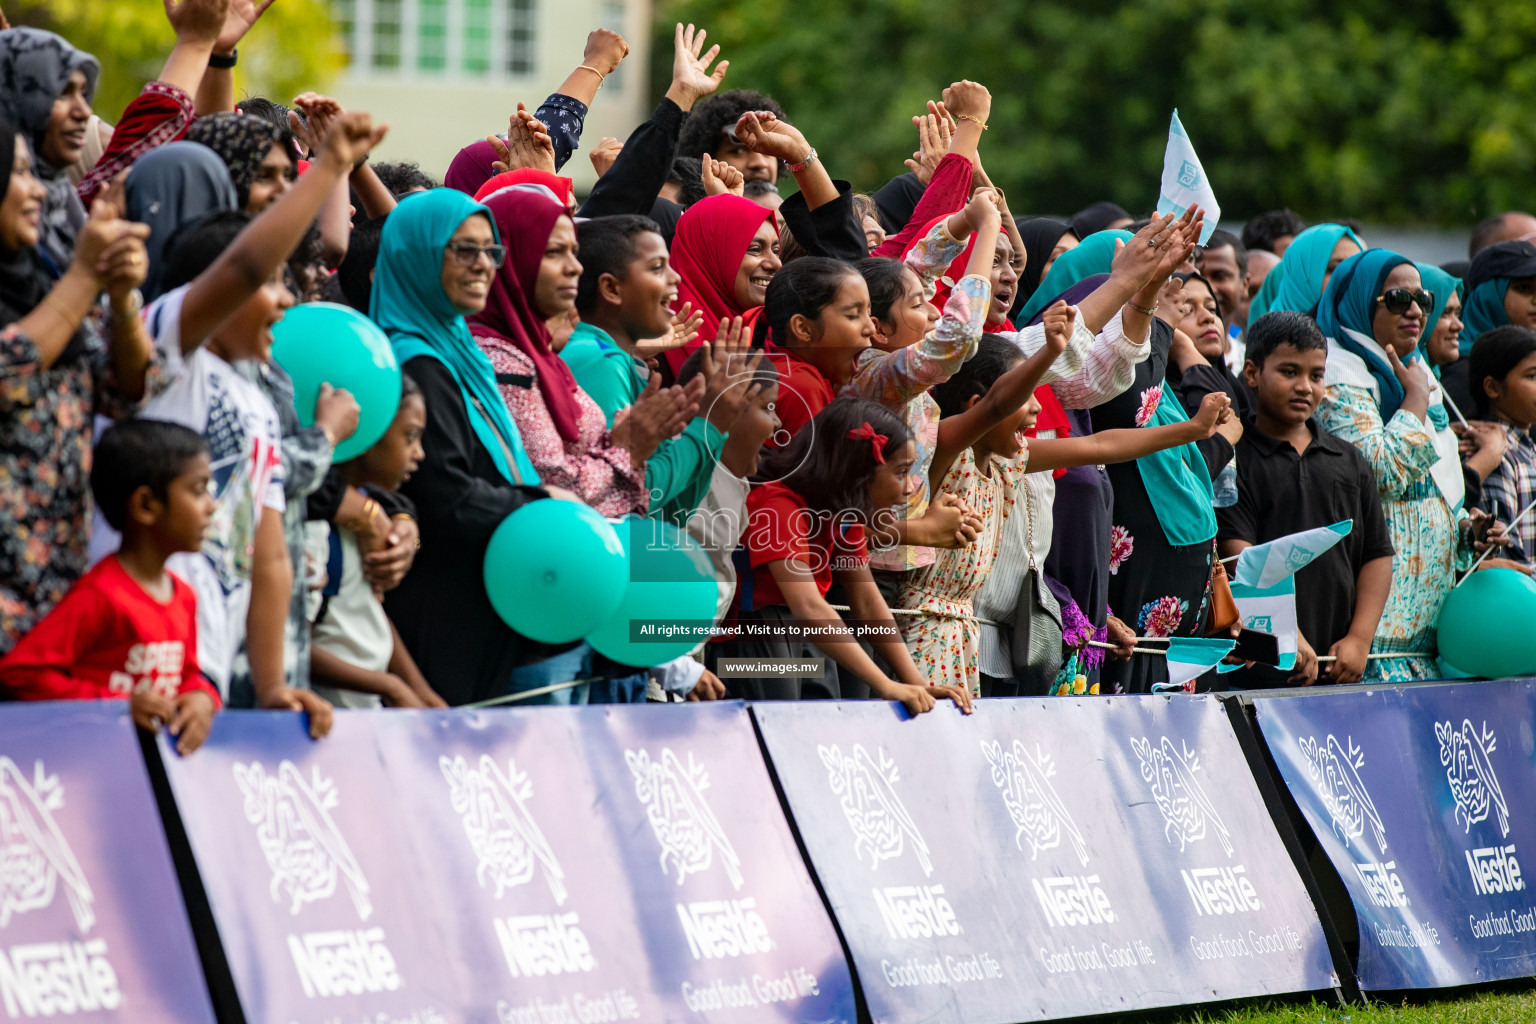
1190 657
1184 181
1264 565
1270 611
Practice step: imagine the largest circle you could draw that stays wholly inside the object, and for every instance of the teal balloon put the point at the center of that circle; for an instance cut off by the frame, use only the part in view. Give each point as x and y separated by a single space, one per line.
670 583
323 343
1471 630
555 570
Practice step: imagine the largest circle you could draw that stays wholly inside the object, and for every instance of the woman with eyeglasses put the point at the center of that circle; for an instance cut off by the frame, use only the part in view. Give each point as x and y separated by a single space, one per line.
437 258
1381 397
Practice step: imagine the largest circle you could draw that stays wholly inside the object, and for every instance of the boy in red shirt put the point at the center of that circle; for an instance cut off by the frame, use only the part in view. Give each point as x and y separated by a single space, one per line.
128 629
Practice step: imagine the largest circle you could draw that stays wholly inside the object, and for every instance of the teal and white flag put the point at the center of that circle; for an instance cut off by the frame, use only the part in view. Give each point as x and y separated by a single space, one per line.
1190 657
1264 565
1184 181
1270 611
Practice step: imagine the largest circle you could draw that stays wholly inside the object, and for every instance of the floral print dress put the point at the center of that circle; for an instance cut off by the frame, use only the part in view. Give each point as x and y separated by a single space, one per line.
900 380
45 465
1156 588
946 641
1423 528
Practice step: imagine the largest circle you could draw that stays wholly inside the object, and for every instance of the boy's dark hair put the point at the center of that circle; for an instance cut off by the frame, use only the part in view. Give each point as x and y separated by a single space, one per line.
402 176
767 372
701 134
1261 231
137 453
607 247
805 287
688 175
193 247
826 467
885 278
1220 238
276 115
1495 354
1282 327
994 357
355 275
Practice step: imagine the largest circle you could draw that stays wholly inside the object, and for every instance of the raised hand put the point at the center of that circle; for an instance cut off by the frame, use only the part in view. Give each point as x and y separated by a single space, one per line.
351 136
528 142
1059 320
720 178
965 100
685 328
933 135
196 21
691 78
726 391
604 154
1140 260
1215 410
762 132
242 15
605 50
109 247
657 415
320 113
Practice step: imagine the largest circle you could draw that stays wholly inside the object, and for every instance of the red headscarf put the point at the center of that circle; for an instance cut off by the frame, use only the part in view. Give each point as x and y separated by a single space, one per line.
561 187
525 220
711 238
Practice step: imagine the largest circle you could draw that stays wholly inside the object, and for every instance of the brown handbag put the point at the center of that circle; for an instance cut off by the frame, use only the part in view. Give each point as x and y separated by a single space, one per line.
1223 606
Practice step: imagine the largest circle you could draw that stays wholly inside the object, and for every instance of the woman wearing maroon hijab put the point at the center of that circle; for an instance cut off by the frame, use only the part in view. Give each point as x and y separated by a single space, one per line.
726 249
564 431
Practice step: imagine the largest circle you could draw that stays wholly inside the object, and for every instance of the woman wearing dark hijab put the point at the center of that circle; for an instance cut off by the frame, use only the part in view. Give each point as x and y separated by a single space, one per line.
37 70
171 186
1045 238
1105 216
246 143
57 370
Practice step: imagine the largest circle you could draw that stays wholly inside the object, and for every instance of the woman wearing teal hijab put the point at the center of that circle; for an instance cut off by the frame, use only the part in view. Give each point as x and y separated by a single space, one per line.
1308 261
1091 256
1381 397
437 256
1501 289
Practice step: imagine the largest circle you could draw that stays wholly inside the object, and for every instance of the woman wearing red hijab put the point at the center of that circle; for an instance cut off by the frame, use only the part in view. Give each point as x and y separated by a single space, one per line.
726 249
564 431
563 188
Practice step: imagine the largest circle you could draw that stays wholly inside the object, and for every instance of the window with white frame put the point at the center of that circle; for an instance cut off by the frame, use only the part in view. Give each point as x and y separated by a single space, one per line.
522 41
451 38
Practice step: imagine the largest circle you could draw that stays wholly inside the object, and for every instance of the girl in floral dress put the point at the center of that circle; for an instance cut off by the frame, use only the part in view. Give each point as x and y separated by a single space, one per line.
996 387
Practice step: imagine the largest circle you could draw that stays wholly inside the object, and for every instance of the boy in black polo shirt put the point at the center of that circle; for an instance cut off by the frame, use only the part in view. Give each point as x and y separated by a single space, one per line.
1292 475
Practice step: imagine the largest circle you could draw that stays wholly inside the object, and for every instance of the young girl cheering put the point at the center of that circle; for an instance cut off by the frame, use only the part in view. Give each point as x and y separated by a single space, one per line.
805 528
945 640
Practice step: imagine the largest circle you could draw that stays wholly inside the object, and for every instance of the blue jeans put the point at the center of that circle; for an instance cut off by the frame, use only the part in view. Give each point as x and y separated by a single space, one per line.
619 690
575 663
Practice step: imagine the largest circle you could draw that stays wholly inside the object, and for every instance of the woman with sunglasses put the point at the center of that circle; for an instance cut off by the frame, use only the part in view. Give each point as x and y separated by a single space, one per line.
1381 397
437 258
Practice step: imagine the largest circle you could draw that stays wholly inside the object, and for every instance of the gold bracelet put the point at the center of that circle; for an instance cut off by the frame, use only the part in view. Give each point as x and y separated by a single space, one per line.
62 311
601 78
329 437
971 117
402 515
1143 310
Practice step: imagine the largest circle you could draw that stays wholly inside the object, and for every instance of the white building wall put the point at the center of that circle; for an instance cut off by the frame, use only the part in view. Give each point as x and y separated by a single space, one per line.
433 114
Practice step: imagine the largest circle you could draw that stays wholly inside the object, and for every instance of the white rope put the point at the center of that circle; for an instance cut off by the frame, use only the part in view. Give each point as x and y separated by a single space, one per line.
526 694
1491 548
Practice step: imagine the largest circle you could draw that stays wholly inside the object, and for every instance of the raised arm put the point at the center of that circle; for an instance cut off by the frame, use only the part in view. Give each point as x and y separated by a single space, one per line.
259 250
216 92
1111 446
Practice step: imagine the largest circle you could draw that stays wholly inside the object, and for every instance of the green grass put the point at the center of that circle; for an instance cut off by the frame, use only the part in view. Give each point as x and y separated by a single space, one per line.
1470 1008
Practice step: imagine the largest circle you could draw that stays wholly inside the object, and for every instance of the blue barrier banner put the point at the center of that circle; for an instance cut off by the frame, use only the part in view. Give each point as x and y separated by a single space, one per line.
1421 798
1044 858
529 866
92 925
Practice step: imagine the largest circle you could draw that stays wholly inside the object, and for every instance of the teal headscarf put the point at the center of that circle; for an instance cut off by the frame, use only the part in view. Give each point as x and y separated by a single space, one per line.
1306 264
1442 286
1093 255
1178 481
410 305
1483 312
1348 310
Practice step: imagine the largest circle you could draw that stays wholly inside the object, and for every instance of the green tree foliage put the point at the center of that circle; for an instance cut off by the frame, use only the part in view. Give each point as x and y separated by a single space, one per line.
1401 110
292 48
